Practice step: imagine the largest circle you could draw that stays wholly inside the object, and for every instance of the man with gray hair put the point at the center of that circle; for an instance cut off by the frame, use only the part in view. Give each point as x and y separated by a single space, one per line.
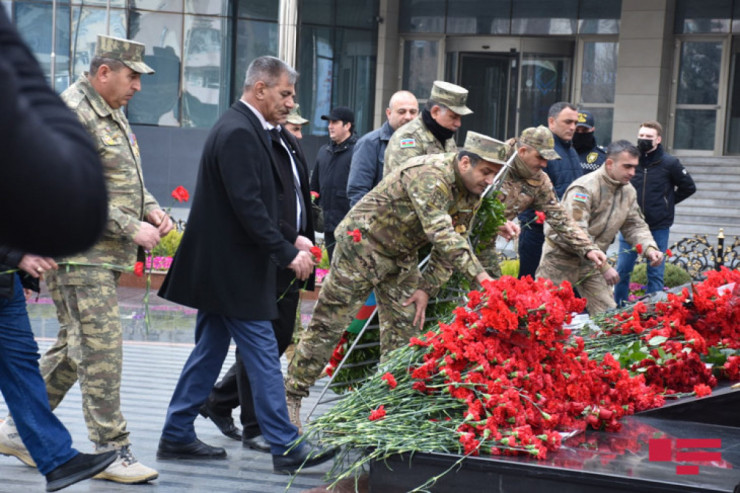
88 348
368 157
602 203
433 130
227 266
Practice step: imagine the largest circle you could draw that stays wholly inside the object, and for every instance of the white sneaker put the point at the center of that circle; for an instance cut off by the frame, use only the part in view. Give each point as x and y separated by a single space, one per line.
126 469
12 445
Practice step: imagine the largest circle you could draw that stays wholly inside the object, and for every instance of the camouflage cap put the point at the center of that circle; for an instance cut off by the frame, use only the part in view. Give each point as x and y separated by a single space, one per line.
130 53
295 117
452 96
486 147
541 139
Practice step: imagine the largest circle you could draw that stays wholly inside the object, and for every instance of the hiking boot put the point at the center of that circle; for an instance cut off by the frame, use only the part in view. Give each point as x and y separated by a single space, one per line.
294 411
126 469
12 445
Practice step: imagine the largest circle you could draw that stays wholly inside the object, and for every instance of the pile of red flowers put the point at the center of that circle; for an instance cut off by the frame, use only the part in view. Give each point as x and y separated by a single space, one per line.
523 379
680 333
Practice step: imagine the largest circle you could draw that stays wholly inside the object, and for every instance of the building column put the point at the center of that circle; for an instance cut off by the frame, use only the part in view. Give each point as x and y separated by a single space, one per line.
288 31
644 67
387 71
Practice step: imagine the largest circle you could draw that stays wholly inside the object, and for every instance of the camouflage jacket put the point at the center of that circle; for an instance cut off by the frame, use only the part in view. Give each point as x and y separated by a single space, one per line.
523 189
411 140
603 207
128 200
423 202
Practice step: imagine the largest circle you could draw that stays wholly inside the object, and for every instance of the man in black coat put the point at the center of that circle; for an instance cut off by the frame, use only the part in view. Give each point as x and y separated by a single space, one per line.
227 267
296 225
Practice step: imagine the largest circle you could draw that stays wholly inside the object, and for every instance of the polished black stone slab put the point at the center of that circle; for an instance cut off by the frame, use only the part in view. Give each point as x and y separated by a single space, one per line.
591 462
719 408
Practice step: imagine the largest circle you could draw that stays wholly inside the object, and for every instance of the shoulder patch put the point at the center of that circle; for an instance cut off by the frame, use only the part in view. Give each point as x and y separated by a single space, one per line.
580 197
592 156
405 143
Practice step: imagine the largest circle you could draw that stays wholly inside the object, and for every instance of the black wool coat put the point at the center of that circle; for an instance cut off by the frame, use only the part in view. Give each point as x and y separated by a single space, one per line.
232 247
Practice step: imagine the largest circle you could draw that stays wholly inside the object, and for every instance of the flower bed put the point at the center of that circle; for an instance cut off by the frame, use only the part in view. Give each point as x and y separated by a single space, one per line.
506 377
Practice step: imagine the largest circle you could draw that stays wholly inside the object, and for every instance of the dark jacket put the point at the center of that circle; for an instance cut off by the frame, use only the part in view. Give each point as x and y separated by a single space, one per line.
287 200
368 159
329 179
562 173
51 179
9 259
226 262
661 182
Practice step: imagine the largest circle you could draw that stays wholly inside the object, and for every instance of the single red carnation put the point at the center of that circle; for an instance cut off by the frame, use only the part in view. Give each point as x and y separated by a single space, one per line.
638 249
356 235
314 195
388 377
668 253
702 390
377 414
317 253
139 269
540 217
180 194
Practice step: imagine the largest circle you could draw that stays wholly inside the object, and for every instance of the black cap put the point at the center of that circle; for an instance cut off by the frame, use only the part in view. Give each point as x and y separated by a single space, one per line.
340 113
585 119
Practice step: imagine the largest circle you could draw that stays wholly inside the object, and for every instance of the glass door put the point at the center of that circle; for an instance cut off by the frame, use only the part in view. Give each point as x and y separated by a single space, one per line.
492 95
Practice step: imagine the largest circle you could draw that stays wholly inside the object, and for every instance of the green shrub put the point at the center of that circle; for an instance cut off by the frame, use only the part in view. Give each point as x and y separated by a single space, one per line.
674 275
168 245
510 267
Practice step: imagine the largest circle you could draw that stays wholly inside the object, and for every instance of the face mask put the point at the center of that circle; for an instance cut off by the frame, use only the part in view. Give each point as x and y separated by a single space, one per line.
644 145
584 142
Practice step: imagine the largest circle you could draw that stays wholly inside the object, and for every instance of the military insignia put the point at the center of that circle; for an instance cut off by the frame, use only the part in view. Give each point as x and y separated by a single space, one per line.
406 143
580 197
592 156
460 229
581 117
108 140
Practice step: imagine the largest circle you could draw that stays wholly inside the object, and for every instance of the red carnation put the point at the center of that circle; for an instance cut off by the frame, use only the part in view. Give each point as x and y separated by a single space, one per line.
377 414
317 253
139 269
638 249
388 377
701 390
356 235
314 195
668 253
540 217
180 194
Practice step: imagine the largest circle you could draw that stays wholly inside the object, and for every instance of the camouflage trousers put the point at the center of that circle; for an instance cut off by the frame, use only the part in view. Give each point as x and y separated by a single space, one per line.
89 349
356 270
558 266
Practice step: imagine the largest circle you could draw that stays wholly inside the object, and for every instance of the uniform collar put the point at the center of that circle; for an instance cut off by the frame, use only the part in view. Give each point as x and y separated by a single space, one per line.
98 104
608 179
524 172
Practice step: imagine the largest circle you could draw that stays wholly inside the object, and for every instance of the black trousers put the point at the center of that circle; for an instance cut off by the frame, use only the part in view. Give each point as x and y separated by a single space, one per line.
233 390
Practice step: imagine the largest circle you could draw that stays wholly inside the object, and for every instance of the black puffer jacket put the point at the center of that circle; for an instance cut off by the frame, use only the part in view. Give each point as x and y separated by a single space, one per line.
9 259
329 179
661 182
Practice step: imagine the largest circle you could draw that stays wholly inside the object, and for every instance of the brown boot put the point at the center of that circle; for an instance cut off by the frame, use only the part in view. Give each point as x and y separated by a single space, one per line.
294 411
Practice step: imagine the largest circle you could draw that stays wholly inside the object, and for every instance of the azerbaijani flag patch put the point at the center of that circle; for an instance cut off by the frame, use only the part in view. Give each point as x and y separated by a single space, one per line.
580 197
405 143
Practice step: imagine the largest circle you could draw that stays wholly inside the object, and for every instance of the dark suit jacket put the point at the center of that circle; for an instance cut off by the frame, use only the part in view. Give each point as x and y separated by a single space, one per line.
228 258
287 200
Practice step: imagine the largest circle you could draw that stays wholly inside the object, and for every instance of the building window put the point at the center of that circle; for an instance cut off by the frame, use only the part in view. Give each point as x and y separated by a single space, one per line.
703 16
598 84
336 59
420 66
544 17
479 17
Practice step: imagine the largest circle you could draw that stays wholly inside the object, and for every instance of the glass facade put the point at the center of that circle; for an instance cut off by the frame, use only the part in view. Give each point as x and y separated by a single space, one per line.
198 48
337 53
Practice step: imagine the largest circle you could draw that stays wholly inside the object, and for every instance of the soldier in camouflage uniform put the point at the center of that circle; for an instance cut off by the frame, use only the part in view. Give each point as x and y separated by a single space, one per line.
89 344
602 203
432 131
431 197
527 186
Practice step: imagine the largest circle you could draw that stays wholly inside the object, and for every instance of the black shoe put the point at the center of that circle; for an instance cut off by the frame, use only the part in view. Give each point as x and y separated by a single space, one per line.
307 455
224 423
193 450
79 467
257 443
